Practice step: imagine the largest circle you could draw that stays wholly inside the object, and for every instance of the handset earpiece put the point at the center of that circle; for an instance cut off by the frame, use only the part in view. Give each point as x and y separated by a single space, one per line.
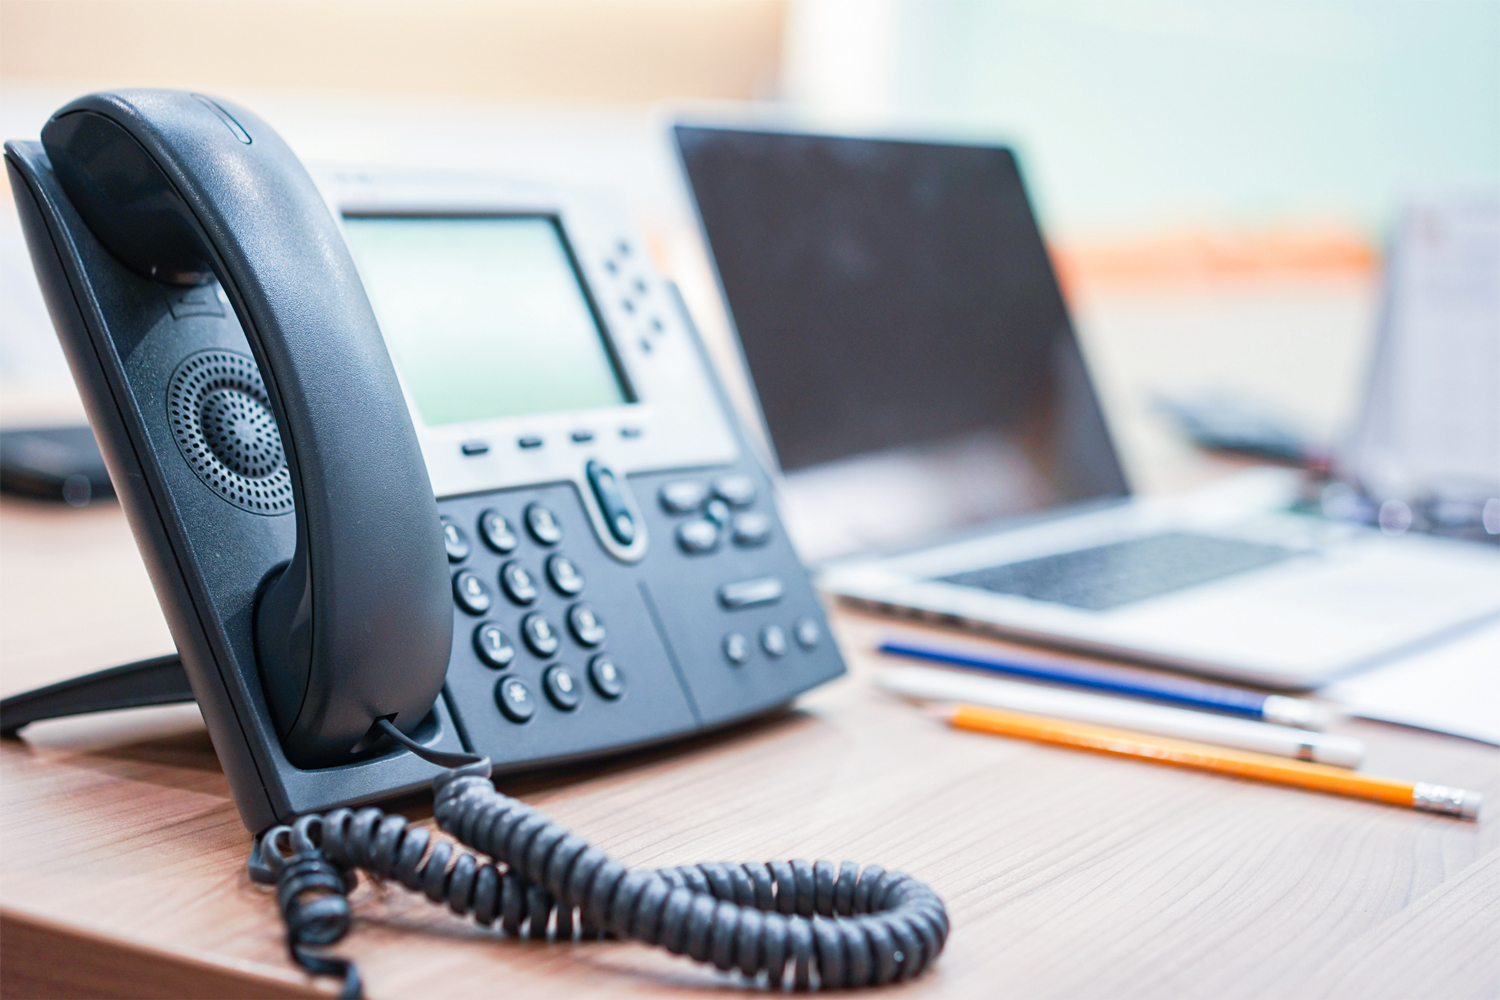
358 625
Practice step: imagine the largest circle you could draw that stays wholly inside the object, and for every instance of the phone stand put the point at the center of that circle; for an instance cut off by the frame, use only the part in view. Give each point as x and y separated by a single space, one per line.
157 681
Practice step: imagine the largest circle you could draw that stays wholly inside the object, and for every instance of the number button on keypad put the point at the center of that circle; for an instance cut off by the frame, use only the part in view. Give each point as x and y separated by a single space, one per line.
585 625
606 677
471 593
542 524
540 636
497 533
564 575
517 583
493 646
515 699
455 542
561 687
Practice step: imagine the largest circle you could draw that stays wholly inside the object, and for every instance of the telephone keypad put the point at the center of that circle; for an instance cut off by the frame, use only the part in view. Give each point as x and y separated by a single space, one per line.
542 524
564 575
515 699
455 542
493 646
540 636
497 533
517 583
714 622
471 593
585 625
561 687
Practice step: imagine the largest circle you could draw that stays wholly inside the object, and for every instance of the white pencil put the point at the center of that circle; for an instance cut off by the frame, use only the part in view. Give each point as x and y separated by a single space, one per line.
929 684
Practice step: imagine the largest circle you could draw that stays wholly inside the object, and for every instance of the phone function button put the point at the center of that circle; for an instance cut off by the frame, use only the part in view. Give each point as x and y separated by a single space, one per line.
717 511
585 625
475 448
455 541
515 699
493 645
582 437
540 636
751 529
471 593
606 677
564 575
497 533
611 501
773 640
682 496
735 490
529 441
517 583
697 536
736 649
542 524
749 593
630 432
561 687
807 633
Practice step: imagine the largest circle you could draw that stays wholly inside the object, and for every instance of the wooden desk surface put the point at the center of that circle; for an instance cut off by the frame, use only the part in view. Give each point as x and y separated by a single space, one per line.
1065 874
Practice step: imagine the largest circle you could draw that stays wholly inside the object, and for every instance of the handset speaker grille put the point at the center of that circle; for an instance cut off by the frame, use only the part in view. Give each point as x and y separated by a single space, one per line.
222 420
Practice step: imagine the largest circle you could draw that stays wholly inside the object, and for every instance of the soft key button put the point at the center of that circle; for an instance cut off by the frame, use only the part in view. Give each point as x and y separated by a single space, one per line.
749 593
612 502
682 496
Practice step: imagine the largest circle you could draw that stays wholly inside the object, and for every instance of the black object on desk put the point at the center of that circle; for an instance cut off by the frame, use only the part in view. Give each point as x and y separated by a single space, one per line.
54 463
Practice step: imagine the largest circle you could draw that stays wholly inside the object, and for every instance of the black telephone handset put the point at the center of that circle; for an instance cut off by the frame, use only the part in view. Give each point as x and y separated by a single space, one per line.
384 545
182 189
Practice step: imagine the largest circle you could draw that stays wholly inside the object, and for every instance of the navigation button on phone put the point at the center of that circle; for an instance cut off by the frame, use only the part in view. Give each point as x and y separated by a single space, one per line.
735 490
698 536
682 496
773 640
751 529
749 593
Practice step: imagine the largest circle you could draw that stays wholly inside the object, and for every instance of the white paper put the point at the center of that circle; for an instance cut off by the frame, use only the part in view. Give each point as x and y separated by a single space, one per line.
1450 688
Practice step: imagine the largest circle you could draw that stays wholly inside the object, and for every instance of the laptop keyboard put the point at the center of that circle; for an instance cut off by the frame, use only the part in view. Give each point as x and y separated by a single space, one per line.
1108 576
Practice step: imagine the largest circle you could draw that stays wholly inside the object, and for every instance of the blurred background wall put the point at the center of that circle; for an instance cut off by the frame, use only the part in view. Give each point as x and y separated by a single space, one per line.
1182 153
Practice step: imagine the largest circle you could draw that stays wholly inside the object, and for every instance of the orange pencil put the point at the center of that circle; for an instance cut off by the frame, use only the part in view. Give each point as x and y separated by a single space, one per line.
1263 767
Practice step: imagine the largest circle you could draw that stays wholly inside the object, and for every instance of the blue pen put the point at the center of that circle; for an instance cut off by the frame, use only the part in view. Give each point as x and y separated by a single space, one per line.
1275 708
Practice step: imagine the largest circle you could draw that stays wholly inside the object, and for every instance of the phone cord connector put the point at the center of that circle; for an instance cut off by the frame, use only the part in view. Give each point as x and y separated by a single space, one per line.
824 925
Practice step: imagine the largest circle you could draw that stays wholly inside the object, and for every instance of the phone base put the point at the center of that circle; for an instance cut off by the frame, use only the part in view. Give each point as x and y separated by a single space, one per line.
157 681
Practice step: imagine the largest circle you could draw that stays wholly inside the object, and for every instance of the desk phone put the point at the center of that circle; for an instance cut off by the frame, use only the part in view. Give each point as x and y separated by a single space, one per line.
434 467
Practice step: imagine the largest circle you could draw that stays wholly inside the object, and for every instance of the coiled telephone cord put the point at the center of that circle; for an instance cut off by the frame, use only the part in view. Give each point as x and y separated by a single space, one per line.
832 926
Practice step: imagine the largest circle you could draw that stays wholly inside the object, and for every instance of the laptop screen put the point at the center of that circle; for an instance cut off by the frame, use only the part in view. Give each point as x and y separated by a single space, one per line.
905 332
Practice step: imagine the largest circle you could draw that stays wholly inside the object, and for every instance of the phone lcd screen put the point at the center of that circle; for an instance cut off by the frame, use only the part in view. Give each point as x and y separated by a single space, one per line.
485 317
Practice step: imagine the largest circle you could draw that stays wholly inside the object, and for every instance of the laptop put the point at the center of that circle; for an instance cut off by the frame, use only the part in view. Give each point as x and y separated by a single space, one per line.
944 453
